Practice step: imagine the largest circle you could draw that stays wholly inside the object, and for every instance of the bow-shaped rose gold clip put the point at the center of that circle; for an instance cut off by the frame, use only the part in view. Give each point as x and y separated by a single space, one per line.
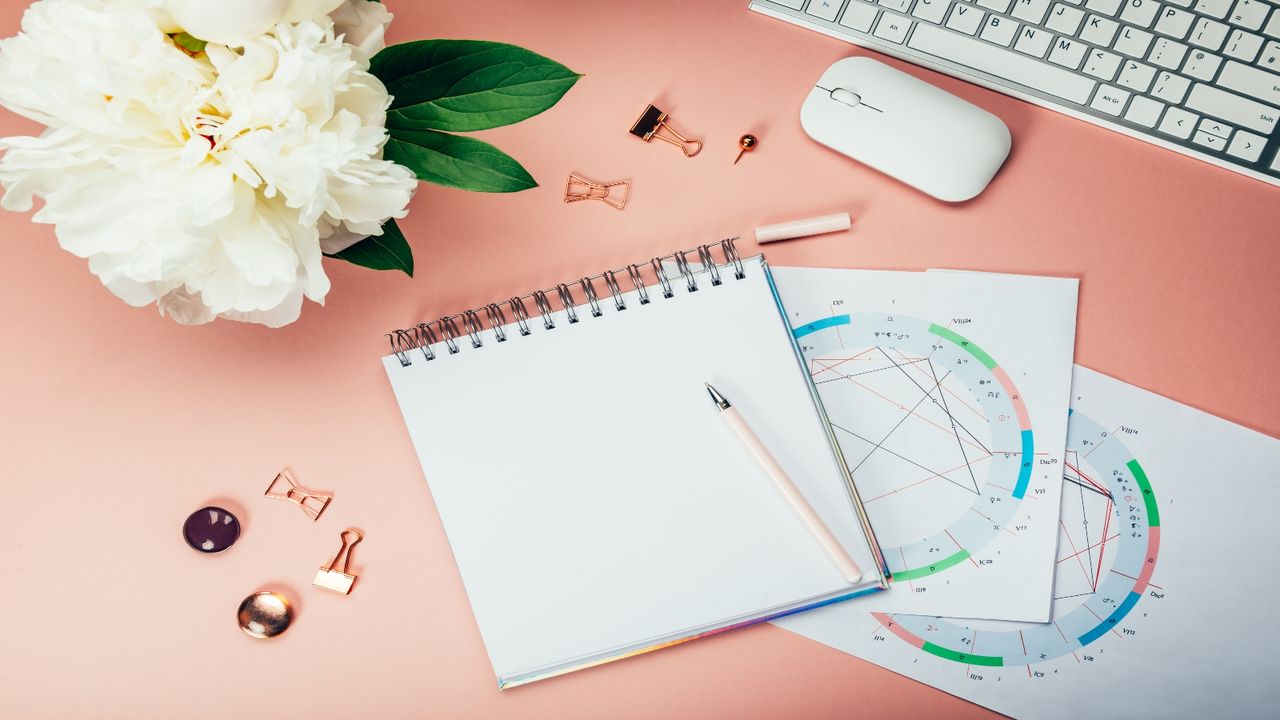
309 501
653 121
581 188
330 577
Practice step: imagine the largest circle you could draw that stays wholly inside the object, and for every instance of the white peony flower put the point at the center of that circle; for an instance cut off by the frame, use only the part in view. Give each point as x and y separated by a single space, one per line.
235 22
204 184
363 24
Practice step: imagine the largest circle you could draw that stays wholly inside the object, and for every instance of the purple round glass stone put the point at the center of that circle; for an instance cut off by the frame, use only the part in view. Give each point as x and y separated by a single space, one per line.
211 529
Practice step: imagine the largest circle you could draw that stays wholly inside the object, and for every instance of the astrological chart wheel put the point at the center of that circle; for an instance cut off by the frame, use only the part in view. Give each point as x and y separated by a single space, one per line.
931 425
1109 550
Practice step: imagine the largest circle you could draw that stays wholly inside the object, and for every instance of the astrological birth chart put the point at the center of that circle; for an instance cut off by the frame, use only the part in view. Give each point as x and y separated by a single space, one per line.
1155 544
947 393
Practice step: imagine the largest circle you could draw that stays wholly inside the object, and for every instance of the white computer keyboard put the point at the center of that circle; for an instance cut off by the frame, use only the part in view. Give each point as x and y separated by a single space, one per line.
1201 77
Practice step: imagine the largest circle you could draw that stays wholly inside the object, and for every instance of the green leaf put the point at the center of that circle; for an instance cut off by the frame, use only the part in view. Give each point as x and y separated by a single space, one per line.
456 161
388 251
464 85
193 45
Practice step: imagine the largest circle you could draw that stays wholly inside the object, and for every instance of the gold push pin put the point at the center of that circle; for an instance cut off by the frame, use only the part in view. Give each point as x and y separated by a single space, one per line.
747 143
329 576
308 501
581 188
653 121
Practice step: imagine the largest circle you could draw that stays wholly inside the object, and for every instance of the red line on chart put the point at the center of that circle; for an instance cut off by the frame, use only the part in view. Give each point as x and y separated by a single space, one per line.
953 539
934 476
1072 543
1106 525
1028 497
1064 635
904 564
1100 542
926 376
993 522
1091 612
828 367
1108 437
1088 479
900 406
1135 579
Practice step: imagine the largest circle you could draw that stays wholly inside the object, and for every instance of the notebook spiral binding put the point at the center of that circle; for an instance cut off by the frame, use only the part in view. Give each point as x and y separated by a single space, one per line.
471 326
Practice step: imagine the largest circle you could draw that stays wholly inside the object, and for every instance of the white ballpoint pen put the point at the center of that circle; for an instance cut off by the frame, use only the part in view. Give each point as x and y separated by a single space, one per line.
848 568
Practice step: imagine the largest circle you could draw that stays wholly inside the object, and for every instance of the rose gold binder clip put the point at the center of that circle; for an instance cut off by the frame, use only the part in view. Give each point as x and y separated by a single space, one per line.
653 121
581 188
329 576
309 501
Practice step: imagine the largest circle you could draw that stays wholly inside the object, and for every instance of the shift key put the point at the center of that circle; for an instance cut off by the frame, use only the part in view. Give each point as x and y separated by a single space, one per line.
1234 109
1251 81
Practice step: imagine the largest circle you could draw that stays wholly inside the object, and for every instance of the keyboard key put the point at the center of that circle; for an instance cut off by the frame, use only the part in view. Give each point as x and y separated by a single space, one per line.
893 28
1204 139
1249 14
1102 64
1178 123
1243 46
966 19
1202 65
1270 58
999 30
1000 6
1106 7
1144 111
1209 34
1232 108
1214 8
898 5
1171 88
1033 41
793 4
1167 53
1180 3
1251 81
861 16
1246 146
1067 52
1275 162
1099 31
1174 22
1065 19
932 10
1031 11
997 61
824 9
1110 100
1213 127
1136 76
1140 12
1134 42
1273 25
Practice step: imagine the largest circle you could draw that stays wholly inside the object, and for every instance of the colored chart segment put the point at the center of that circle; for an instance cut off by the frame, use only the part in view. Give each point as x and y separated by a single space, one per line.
1114 478
923 378
955 337
939 566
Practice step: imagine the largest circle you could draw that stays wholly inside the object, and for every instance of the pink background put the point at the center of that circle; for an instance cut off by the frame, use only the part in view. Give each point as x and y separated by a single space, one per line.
117 423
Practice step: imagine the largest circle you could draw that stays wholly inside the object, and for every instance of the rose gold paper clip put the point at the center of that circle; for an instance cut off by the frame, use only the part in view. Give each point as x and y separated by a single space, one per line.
653 121
329 576
309 501
581 188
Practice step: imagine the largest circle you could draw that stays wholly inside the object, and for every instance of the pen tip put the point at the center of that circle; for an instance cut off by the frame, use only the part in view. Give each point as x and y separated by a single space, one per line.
716 397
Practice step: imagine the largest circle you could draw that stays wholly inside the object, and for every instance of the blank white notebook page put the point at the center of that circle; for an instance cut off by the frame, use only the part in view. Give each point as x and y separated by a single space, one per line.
595 502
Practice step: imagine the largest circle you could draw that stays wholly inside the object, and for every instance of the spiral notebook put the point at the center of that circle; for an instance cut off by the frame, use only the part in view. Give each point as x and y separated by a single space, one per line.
596 505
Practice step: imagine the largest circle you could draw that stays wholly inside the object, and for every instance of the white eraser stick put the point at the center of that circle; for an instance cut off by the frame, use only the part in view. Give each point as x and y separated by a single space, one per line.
803 228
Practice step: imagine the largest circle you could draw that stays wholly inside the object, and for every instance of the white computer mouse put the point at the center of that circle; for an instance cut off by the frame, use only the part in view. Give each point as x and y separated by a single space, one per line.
906 128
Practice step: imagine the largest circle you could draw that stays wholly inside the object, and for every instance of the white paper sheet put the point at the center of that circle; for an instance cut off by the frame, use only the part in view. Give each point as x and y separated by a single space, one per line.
595 502
1167 579
949 392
